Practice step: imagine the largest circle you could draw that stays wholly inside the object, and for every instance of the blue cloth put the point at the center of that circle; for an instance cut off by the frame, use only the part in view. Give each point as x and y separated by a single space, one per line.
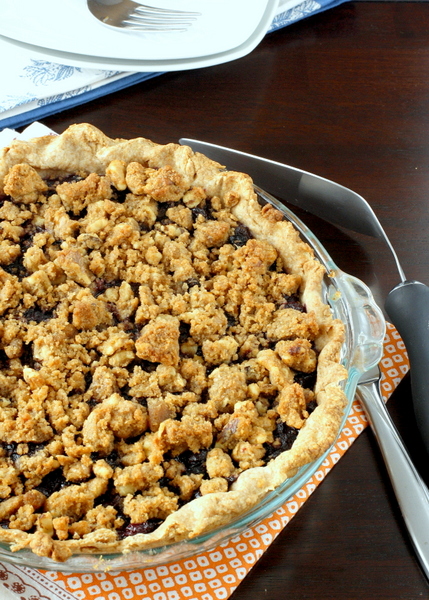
45 109
301 11
46 97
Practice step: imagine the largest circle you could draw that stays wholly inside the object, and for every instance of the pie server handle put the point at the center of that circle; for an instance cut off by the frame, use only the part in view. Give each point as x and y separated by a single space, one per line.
407 306
410 490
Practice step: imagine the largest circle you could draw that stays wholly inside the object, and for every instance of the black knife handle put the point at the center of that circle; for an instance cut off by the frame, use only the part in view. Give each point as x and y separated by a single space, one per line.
407 306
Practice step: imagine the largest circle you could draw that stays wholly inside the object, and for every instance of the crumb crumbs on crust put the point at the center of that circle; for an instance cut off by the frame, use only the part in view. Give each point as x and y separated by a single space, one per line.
166 357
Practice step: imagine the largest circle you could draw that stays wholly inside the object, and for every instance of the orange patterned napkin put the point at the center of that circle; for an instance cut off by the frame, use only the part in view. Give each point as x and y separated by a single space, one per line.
215 574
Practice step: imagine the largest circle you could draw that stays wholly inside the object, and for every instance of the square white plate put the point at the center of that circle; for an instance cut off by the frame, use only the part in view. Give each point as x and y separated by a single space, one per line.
120 62
68 26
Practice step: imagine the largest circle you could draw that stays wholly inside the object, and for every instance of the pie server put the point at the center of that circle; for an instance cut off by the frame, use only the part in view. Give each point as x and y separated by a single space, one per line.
407 305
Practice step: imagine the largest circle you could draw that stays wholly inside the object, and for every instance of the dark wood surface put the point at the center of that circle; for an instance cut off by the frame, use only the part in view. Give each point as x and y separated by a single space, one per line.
344 94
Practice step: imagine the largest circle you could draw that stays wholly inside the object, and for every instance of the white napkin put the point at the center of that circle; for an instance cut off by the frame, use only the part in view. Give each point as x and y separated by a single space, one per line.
23 583
34 130
8 595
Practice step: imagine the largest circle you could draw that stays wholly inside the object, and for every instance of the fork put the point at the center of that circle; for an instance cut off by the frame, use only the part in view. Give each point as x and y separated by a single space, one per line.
410 490
127 14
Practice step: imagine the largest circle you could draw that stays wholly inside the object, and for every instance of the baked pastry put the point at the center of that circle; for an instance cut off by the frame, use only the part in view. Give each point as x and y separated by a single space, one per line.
166 356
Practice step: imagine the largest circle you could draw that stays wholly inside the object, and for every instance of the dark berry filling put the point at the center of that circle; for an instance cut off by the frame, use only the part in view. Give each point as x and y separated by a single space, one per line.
194 463
52 482
134 528
293 301
241 236
37 314
284 437
306 380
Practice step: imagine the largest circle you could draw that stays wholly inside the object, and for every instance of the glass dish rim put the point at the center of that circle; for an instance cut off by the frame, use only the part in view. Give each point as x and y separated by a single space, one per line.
351 300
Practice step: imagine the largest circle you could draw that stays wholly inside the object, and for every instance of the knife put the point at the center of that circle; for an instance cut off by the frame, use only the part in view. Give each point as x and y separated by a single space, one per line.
407 305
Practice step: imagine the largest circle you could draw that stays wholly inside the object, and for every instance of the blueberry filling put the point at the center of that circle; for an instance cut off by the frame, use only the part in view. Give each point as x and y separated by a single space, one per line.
111 498
311 406
11 450
111 306
194 463
241 236
101 285
113 459
16 268
37 314
306 380
162 212
284 437
203 212
52 482
191 282
53 183
27 358
184 329
134 528
294 302
232 321
33 448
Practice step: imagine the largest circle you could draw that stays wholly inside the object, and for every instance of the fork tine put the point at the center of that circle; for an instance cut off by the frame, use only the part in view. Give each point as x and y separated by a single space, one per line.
158 19
153 23
136 22
126 24
133 15
144 8
163 17
166 19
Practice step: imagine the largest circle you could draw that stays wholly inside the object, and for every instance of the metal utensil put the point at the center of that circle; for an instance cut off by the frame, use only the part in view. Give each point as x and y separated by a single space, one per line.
407 305
410 490
127 14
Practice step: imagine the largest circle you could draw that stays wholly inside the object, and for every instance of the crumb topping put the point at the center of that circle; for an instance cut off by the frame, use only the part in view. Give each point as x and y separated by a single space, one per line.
151 349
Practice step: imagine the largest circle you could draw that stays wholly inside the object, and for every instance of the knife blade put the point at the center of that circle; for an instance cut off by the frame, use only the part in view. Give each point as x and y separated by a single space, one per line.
319 196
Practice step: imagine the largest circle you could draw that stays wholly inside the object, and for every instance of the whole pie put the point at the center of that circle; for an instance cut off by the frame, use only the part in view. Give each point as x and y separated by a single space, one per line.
166 355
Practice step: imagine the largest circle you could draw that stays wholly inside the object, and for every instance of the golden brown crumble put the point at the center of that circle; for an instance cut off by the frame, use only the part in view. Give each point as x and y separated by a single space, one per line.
153 344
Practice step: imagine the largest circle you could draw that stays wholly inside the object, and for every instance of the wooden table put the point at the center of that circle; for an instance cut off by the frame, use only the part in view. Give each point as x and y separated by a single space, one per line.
344 94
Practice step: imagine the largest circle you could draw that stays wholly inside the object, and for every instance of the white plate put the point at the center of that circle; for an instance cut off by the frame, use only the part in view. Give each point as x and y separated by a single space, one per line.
135 64
68 26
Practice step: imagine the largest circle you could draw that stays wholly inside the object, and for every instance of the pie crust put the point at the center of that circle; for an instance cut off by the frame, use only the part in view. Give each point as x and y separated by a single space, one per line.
166 356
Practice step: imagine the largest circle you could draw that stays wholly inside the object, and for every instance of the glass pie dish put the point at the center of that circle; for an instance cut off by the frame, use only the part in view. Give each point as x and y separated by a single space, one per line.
351 302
